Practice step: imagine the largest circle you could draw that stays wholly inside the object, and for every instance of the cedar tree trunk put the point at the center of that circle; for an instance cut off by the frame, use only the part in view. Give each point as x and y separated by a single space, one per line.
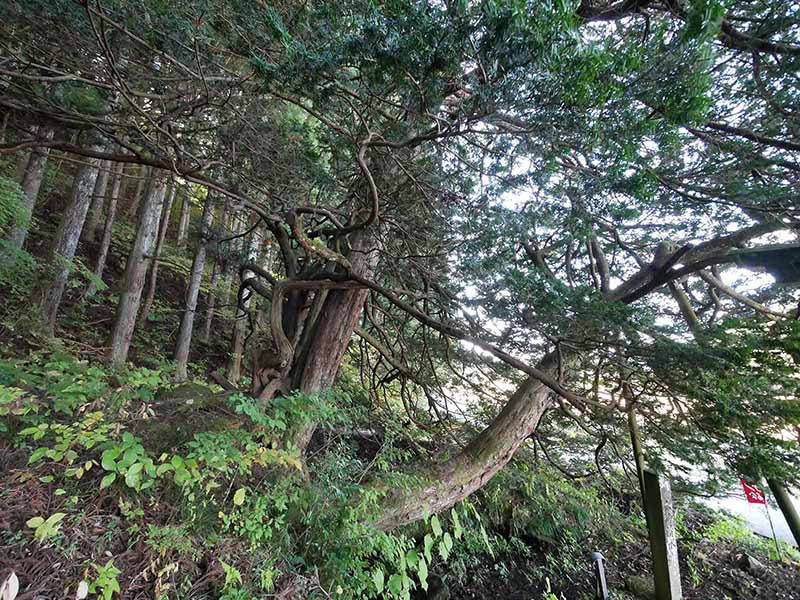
66 240
456 478
105 242
96 207
183 223
136 269
192 292
162 234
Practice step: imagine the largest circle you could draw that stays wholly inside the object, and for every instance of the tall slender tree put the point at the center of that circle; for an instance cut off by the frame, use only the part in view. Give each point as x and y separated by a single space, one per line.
66 239
136 266
193 291
31 181
152 278
108 228
183 222
90 230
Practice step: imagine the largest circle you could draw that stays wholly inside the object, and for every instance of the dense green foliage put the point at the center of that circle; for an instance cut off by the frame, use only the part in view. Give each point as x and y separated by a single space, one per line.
441 261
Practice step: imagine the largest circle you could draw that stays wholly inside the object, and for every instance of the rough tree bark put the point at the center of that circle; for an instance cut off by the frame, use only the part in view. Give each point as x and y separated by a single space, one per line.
24 156
108 227
193 291
98 200
318 328
4 127
136 269
452 480
162 234
66 240
211 301
31 181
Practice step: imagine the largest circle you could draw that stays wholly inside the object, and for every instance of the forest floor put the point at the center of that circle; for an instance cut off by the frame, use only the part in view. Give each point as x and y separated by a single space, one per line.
719 559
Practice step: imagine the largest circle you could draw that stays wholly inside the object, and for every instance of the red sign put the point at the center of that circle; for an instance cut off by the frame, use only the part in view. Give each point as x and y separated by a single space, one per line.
753 494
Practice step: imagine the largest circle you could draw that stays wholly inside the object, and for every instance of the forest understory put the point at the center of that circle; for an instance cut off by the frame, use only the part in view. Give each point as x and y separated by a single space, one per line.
398 298
536 544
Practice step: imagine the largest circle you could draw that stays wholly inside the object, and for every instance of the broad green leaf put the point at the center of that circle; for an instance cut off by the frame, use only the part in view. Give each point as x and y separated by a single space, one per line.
109 457
34 522
395 584
422 572
378 580
36 455
133 477
436 527
447 541
428 543
55 518
412 558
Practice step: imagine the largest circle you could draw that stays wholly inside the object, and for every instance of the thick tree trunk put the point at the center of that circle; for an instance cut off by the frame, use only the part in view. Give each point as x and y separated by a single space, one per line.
453 480
237 227
98 200
162 234
322 346
66 240
136 269
183 223
4 127
193 292
108 228
234 369
23 157
31 181
21 166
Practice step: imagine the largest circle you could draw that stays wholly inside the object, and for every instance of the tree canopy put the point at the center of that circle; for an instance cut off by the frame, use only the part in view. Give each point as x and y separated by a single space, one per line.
534 219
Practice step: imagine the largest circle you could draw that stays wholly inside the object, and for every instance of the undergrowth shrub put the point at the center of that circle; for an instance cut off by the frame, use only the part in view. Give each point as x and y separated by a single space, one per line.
529 507
232 497
236 493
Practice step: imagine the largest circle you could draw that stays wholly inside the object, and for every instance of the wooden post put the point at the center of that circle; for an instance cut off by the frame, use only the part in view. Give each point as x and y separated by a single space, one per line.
663 544
600 585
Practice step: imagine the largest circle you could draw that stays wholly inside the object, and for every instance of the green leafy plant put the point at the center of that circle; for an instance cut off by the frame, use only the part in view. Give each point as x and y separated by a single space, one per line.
45 528
129 460
105 583
15 402
69 441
